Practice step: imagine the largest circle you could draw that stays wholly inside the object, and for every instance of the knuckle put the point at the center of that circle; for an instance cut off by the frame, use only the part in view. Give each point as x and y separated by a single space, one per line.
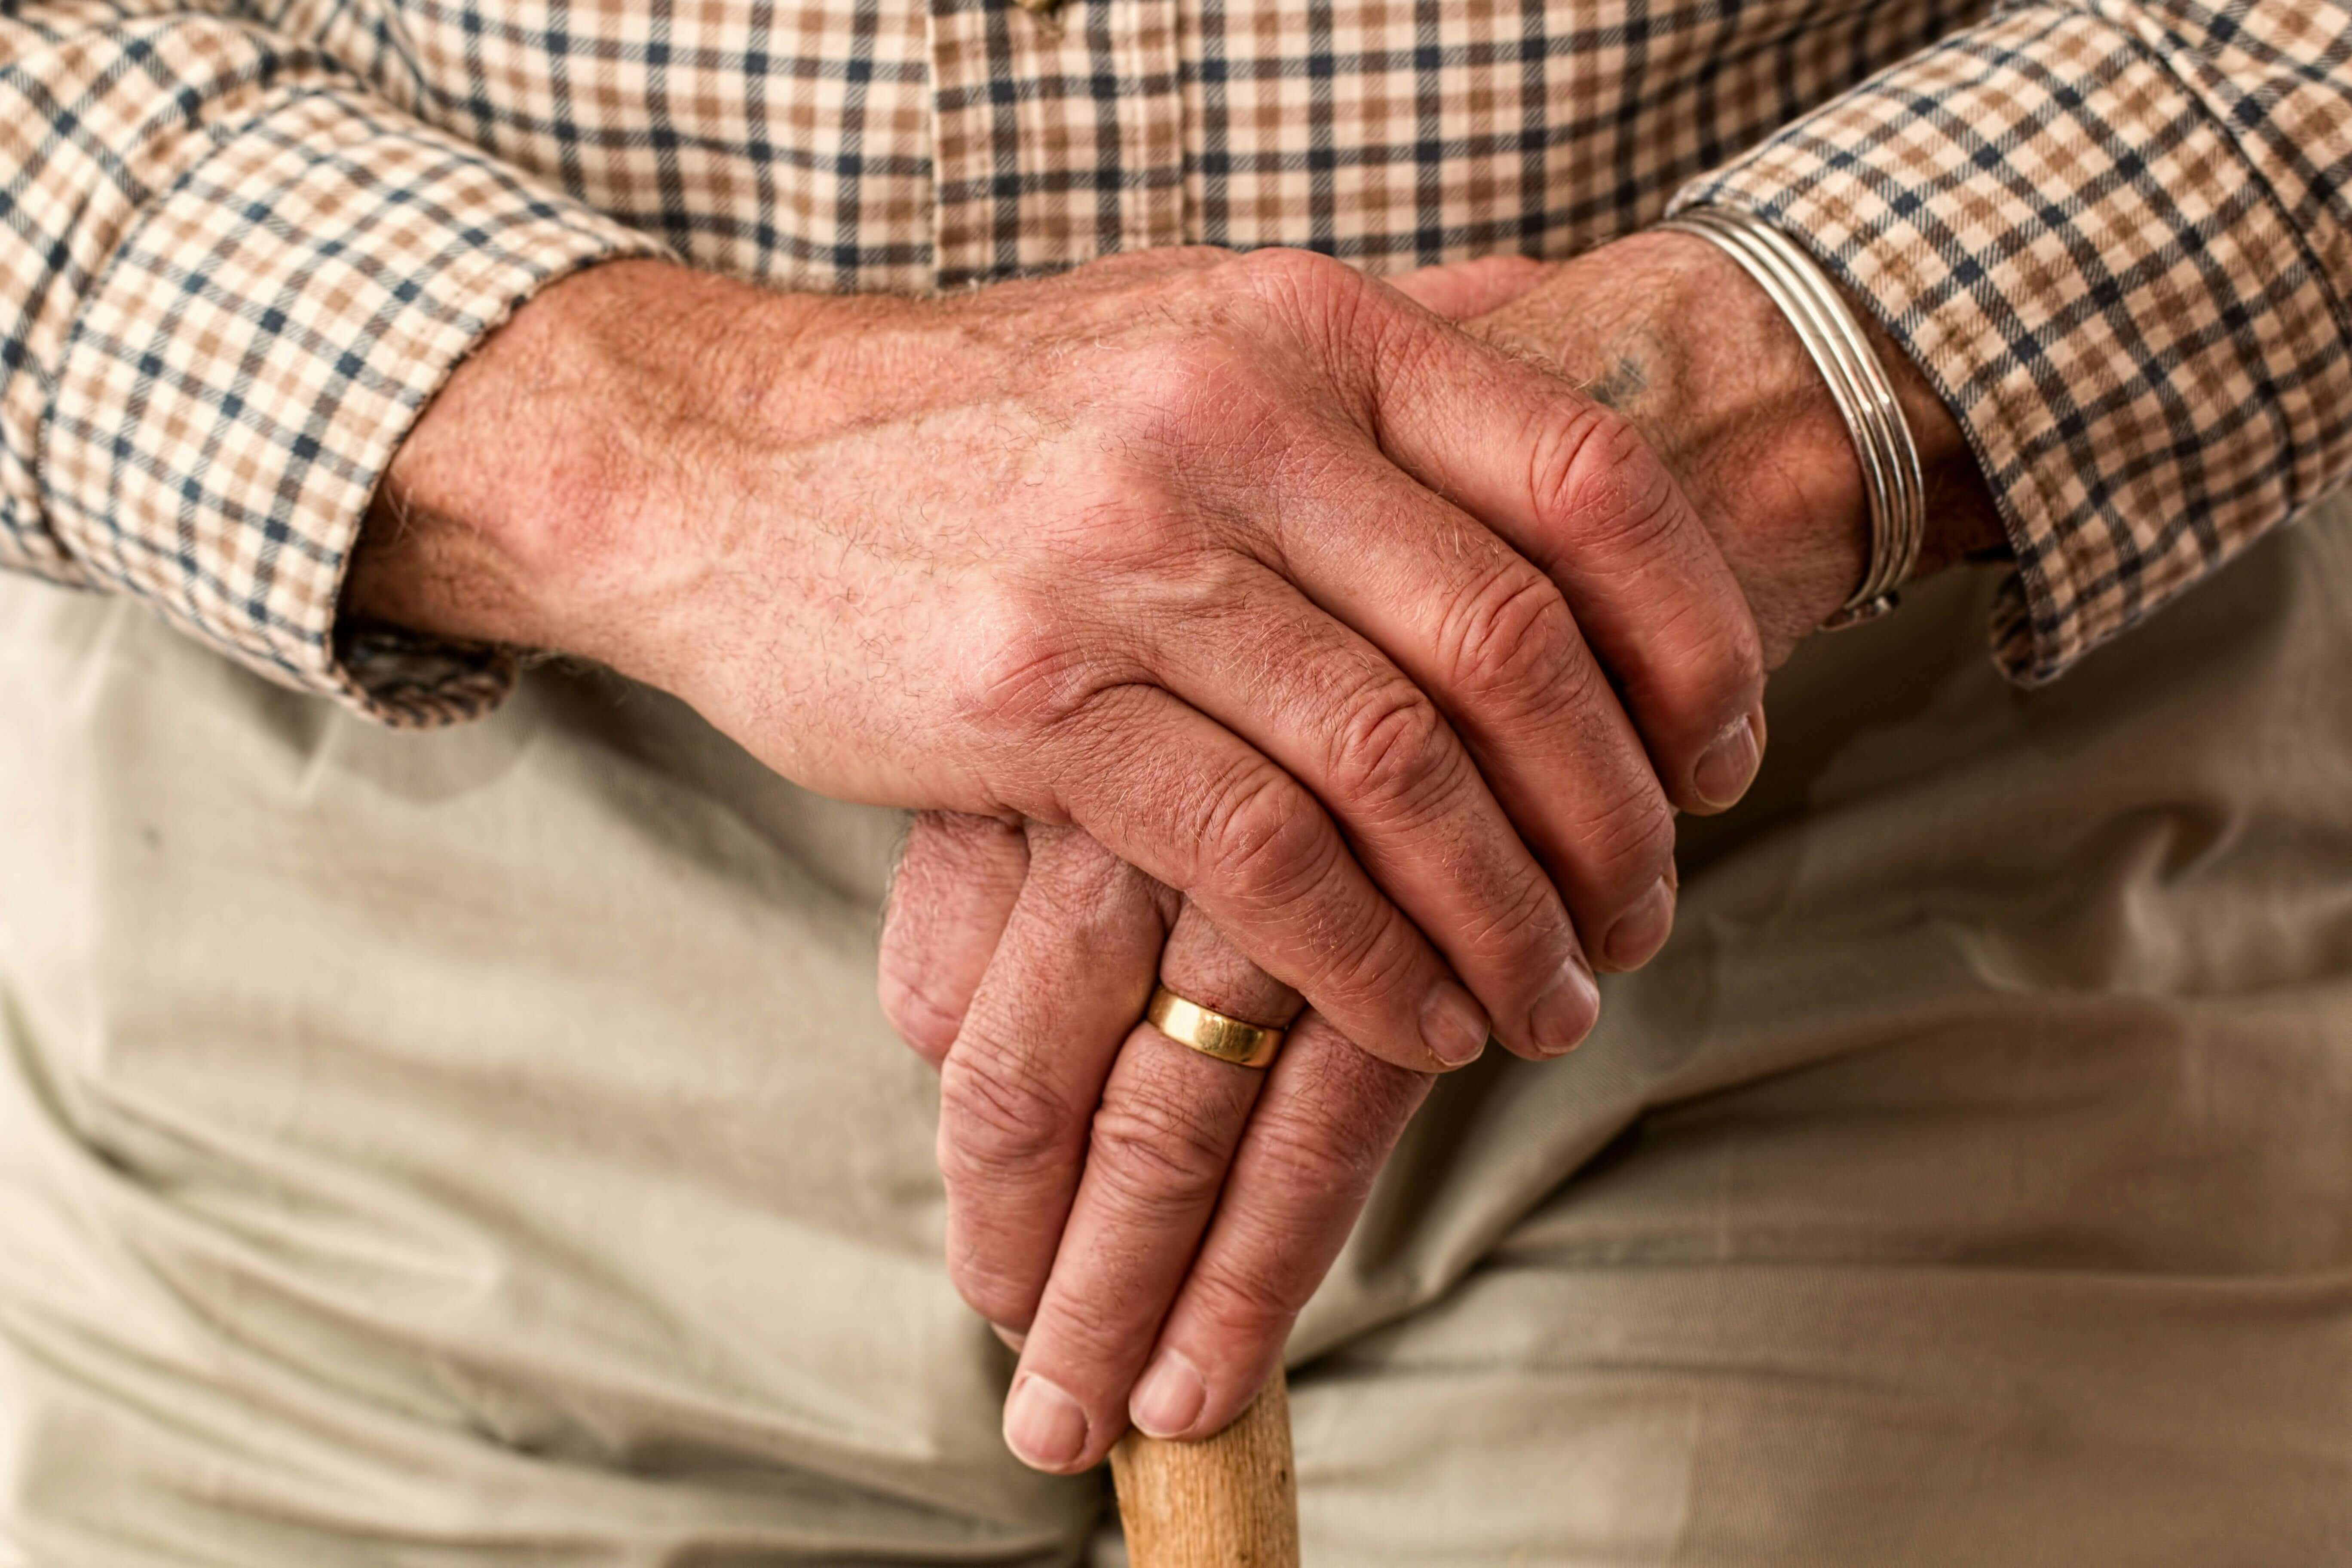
1595 477
1512 639
1203 588
1371 961
925 1023
1202 381
1056 693
1701 667
1251 1306
1520 924
1093 1326
1359 1091
1394 755
1287 274
1330 300
1623 833
1731 656
1031 673
1311 1161
1628 841
1268 842
1086 890
1716 677
1740 650
1156 1156
994 1122
990 1286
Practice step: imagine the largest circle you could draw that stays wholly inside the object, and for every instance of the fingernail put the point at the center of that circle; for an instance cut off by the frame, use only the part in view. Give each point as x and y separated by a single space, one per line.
1565 1013
1641 931
1728 765
1453 1026
1013 1338
1042 1426
1168 1399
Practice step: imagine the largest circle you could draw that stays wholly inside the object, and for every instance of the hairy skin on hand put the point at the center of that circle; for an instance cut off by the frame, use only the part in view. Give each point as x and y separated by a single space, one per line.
1293 595
1671 333
1663 328
1674 334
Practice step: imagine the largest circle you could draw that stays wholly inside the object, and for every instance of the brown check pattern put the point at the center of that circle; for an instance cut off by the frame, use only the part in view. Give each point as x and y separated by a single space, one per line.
242 241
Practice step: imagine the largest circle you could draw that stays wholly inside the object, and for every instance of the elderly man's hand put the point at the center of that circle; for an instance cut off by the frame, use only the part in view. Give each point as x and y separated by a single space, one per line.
1286 592
1156 1257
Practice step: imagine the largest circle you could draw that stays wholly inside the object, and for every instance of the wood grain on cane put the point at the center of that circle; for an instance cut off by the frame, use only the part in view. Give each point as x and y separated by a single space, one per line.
1228 1501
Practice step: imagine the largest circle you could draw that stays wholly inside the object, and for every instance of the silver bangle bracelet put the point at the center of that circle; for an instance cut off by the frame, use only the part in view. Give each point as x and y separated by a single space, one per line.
1892 480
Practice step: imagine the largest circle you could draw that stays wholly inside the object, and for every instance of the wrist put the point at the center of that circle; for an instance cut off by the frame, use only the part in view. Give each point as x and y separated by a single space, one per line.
1673 332
544 499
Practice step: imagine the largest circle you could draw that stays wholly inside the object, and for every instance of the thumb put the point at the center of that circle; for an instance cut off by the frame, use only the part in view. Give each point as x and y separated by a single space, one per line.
1459 291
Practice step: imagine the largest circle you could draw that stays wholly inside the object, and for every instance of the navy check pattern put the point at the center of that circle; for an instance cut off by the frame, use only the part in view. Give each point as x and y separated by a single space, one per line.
2139 310
243 241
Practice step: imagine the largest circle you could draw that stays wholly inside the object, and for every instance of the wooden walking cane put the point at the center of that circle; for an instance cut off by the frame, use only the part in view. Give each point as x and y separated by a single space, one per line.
1227 1501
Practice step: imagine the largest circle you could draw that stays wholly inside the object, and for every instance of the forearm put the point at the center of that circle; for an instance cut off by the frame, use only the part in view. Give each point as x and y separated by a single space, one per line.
546 499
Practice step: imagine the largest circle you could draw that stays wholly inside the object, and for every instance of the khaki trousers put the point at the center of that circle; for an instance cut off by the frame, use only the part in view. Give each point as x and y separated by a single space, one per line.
484 1147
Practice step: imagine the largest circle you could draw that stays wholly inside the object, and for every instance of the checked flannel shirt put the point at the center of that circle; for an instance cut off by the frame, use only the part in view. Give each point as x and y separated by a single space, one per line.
245 240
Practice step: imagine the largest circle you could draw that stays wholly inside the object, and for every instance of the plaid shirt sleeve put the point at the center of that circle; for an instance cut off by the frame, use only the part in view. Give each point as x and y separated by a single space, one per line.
2115 233
229 279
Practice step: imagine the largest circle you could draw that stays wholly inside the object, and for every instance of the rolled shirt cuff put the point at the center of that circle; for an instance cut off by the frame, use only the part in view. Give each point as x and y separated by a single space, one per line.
2077 238
251 354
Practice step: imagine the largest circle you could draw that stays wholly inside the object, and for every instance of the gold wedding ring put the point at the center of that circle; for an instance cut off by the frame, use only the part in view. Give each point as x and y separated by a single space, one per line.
1212 1033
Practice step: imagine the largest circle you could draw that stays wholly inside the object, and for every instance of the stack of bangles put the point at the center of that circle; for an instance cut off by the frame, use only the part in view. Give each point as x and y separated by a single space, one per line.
1859 385
1891 482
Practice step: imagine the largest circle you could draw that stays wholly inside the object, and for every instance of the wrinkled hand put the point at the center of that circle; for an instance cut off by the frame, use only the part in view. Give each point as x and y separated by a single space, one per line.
1135 1173
1154 1219
1286 592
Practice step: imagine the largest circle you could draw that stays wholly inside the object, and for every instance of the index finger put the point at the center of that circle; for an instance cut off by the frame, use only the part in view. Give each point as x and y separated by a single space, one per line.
1019 1087
1156 1160
1574 485
1325 1124
1173 793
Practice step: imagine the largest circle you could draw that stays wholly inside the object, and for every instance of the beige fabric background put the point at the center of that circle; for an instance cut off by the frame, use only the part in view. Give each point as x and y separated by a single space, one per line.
484 1147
